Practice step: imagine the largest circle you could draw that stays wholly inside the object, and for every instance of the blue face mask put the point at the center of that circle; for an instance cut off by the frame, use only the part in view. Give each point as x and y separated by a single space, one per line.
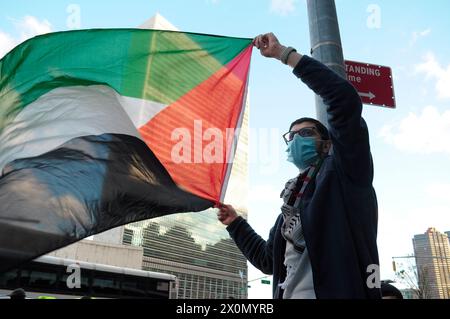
302 151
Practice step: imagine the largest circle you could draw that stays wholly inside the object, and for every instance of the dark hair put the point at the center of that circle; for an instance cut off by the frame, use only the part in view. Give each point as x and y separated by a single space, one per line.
323 131
388 290
18 294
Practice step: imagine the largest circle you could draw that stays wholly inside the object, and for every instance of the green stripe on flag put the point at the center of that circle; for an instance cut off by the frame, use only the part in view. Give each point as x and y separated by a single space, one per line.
178 63
160 66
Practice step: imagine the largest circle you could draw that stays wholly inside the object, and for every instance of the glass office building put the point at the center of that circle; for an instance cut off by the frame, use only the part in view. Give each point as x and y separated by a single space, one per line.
195 249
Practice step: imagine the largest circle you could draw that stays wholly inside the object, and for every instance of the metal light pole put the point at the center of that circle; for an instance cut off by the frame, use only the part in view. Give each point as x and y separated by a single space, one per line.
326 44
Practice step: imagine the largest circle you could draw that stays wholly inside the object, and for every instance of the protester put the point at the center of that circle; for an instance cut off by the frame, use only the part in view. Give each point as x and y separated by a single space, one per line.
323 244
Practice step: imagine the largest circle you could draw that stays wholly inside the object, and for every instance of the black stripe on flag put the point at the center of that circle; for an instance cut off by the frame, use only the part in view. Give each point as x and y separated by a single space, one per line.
86 186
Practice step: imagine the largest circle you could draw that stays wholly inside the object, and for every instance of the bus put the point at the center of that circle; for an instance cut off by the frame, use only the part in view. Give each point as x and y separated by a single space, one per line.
48 277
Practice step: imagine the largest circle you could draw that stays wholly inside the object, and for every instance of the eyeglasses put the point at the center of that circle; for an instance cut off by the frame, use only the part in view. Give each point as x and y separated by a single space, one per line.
304 132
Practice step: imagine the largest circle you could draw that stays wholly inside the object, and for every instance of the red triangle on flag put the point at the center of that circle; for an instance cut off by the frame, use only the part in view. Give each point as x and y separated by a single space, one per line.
189 137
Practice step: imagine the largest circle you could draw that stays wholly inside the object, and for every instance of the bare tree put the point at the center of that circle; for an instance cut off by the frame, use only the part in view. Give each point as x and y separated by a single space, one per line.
425 283
418 280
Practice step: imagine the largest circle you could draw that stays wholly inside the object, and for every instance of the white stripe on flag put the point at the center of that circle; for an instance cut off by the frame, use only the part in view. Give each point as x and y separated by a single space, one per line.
67 113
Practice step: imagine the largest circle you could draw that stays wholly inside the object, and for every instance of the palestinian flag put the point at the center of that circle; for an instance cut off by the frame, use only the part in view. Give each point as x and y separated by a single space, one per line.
100 128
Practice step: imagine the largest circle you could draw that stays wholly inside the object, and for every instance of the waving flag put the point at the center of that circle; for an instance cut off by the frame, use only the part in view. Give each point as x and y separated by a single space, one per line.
99 128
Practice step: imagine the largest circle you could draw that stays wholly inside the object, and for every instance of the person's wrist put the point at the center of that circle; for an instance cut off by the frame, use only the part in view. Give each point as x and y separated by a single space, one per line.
280 50
286 54
232 221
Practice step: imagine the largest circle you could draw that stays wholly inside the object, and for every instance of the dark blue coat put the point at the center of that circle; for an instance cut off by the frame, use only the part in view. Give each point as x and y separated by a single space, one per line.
340 207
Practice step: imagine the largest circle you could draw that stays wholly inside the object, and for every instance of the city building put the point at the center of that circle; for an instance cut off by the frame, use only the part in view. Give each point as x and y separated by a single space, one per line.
195 246
432 253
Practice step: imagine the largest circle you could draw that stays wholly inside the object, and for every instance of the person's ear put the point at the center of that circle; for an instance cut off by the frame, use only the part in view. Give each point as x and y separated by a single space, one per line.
326 146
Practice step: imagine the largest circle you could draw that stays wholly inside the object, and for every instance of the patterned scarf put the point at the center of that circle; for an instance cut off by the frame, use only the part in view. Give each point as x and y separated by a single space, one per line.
292 229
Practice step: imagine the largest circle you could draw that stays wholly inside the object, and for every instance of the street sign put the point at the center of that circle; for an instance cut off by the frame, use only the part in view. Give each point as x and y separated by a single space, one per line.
265 282
373 82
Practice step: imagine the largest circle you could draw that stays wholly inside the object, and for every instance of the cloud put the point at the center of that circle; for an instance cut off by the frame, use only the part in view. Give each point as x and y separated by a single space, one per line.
424 133
416 35
27 27
433 70
30 27
6 43
282 7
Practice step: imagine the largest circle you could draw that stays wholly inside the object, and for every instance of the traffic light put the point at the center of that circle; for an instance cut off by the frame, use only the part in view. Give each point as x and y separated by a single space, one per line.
394 266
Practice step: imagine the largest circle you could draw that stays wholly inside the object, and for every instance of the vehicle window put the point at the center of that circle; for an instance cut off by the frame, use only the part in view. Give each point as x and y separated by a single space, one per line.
162 286
157 288
10 279
134 287
39 277
105 284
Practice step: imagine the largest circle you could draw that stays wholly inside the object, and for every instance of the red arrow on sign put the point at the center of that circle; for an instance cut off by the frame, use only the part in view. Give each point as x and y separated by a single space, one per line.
373 83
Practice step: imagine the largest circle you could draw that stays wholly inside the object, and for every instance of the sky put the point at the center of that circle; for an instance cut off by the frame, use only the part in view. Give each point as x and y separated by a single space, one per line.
410 145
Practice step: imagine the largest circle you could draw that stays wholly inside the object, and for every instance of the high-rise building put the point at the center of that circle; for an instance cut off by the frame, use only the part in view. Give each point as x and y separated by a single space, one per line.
195 246
432 252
